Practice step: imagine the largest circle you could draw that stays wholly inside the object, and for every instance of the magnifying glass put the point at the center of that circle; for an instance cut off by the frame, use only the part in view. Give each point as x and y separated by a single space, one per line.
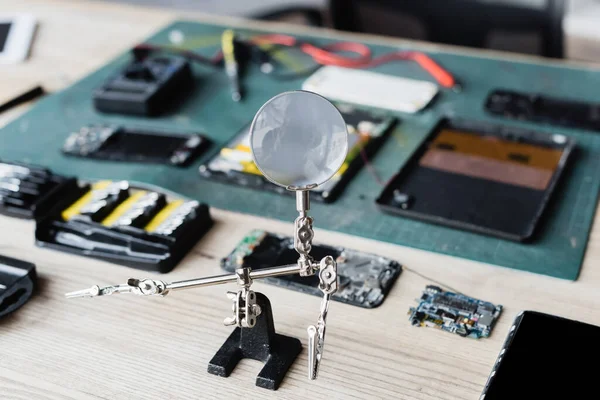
299 140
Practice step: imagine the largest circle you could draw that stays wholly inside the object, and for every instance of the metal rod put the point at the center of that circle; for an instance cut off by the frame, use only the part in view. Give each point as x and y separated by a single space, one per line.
275 271
302 201
232 278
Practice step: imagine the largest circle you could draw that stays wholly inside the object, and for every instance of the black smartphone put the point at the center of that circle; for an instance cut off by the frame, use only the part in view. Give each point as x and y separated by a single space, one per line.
546 357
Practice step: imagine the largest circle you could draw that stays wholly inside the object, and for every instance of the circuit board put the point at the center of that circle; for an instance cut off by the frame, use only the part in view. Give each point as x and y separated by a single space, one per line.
364 279
455 313
367 130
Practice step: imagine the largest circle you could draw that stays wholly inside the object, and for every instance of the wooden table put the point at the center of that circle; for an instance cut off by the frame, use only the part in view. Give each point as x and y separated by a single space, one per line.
128 347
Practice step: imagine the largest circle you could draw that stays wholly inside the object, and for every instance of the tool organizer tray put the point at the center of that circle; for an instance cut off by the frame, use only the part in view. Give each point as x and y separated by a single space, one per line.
557 250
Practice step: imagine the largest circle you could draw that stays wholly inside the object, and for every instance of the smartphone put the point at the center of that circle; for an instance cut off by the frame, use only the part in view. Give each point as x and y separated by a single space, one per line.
546 357
371 89
16 34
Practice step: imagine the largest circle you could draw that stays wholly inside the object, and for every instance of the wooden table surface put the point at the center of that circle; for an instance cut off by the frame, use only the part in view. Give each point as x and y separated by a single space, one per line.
128 347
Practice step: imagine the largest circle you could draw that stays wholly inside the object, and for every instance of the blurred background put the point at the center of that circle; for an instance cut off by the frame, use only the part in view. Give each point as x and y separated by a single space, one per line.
551 28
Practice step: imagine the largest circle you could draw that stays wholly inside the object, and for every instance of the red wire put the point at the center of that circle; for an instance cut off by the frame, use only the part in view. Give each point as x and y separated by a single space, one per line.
327 56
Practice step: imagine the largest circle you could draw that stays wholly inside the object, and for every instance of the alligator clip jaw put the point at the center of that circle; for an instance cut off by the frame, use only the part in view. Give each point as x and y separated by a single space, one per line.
328 284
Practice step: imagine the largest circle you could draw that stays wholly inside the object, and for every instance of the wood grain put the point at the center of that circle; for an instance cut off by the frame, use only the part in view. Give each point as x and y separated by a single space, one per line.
125 347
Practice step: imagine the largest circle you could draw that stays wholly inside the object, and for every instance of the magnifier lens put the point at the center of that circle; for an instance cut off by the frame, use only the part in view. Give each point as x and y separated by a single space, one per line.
298 140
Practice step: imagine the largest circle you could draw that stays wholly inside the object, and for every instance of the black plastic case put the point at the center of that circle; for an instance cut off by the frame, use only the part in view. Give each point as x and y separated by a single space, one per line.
129 246
145 87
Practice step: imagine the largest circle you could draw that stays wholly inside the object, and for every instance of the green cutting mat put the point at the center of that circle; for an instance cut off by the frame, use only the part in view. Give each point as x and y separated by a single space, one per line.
557 251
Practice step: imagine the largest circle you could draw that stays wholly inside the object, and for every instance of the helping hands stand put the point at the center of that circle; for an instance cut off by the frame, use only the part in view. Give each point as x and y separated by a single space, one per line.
299 140
254 336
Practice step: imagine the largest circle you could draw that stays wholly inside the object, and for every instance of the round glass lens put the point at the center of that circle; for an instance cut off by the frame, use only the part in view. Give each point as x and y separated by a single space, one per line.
298 140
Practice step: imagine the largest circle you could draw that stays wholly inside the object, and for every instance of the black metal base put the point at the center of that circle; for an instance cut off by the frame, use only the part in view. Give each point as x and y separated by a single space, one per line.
261 343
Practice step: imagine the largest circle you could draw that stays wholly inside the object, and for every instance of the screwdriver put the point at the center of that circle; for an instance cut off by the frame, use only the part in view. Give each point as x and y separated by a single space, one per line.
231 64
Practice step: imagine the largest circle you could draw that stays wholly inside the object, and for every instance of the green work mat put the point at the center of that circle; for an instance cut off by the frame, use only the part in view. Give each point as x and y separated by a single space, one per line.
557 249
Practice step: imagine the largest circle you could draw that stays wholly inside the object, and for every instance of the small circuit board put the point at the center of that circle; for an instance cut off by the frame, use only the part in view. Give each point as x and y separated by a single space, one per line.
455 313
364 279
367 130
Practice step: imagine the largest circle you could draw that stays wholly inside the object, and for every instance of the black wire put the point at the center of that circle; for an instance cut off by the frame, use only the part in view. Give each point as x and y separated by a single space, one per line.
432 280
143 50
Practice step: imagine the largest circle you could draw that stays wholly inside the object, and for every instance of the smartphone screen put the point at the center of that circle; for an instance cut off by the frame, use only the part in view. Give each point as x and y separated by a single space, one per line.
547 357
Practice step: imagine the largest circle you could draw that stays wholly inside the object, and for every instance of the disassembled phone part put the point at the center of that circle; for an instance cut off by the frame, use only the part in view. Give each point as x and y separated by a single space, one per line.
299 141
28 191
364 279
455 313
491 179
544 109
116 143
367 131
113 222
17 283
145 87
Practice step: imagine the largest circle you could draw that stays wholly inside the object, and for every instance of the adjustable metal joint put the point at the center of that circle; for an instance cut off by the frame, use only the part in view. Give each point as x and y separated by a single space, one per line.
303 234
148 287
328 277
245 310
243 277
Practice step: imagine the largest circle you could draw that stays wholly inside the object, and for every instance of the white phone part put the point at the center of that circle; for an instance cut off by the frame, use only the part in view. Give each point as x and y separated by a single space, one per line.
16 34
371 89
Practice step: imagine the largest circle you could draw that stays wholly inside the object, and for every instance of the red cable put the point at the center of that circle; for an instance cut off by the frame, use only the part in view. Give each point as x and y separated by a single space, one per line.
327 56
443 77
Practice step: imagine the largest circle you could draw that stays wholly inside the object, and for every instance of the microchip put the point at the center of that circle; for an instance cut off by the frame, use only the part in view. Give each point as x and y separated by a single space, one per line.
364 279
455 313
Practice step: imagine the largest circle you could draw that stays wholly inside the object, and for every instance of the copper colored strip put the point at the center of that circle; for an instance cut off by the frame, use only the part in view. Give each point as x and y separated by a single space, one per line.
498 149
485 168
